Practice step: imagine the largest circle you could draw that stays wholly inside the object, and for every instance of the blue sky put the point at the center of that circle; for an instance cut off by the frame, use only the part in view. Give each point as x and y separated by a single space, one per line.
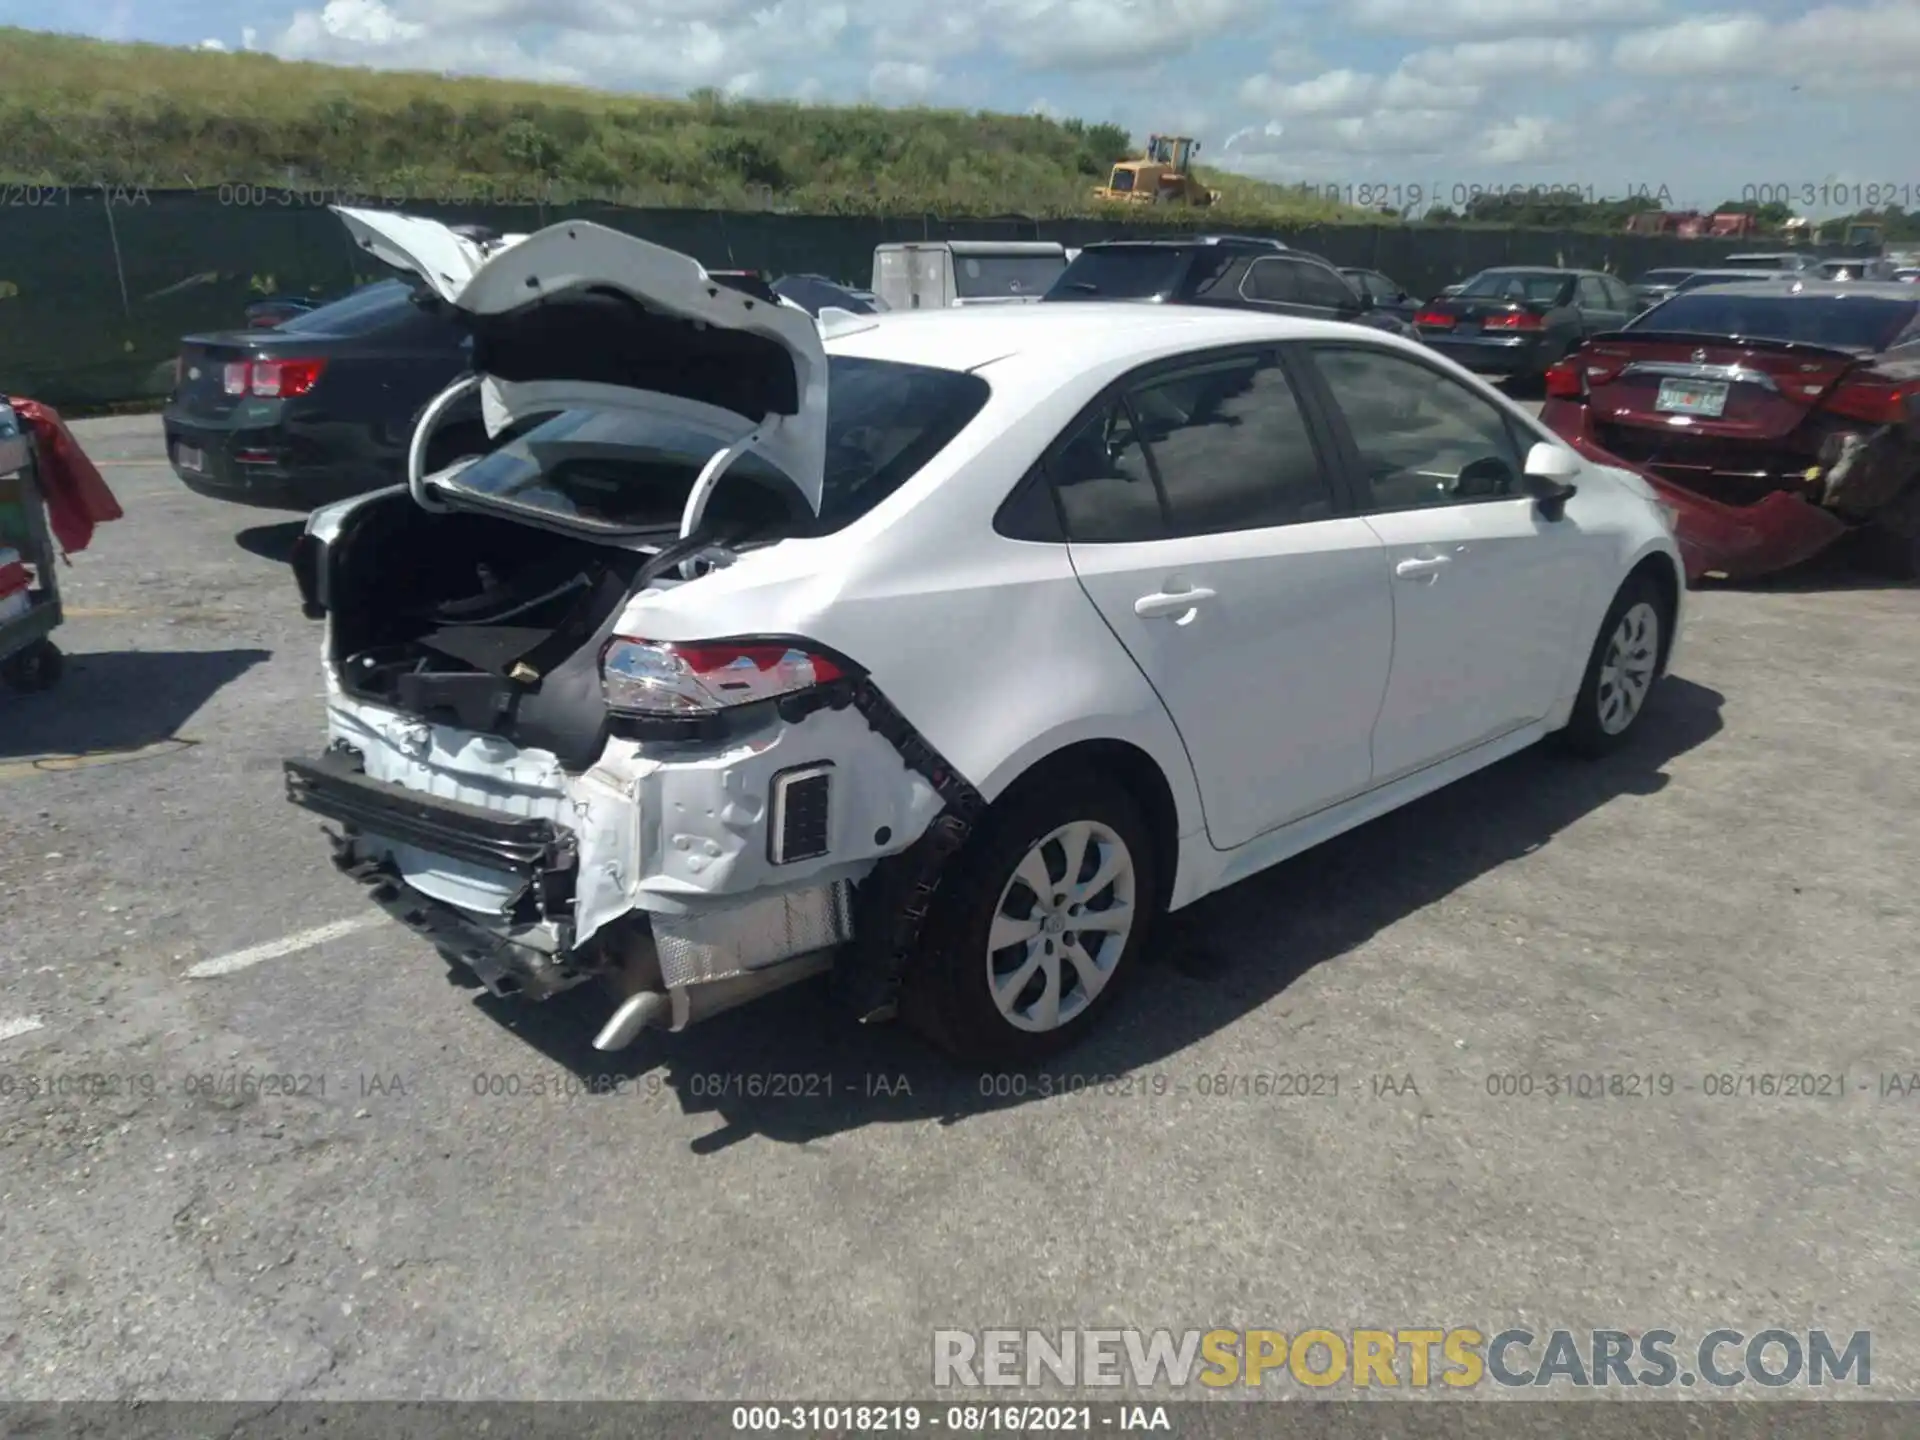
1404 99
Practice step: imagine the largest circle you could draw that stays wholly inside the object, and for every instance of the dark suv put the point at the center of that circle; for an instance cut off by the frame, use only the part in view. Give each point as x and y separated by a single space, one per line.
1235 271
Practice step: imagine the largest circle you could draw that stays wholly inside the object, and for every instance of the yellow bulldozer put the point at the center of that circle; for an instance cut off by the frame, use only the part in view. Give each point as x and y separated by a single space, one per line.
1163 176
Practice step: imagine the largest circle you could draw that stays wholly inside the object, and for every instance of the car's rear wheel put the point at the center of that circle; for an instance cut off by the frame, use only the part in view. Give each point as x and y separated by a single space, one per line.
1622 669
1037 924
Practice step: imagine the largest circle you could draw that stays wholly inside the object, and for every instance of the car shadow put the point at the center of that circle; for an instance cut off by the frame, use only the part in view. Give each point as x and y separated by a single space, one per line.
271 542
1859 561
793 1067
118 700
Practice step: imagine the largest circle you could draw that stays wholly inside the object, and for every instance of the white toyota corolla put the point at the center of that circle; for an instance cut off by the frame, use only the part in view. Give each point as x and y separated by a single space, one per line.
943 651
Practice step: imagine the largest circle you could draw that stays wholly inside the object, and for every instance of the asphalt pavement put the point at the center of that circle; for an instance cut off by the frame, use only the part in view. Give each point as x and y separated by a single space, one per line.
255 1144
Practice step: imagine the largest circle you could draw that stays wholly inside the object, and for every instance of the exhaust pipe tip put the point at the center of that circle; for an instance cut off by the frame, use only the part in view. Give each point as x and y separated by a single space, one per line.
640 1011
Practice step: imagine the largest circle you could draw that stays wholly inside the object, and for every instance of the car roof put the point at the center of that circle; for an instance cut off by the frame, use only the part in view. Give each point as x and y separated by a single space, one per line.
1818 289
1183 242
1132 332
1531 270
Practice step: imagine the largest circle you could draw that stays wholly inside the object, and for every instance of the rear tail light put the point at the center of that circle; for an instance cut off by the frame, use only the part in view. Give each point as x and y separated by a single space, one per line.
1519 320
1565 381
1878 402
658 679
271 379
1438 319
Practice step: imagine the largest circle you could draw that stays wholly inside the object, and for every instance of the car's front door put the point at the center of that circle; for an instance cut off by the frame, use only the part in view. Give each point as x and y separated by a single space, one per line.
1203 520
1488 591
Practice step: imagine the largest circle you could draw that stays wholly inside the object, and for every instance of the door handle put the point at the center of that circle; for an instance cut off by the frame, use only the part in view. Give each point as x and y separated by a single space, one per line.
1422 569
1148 607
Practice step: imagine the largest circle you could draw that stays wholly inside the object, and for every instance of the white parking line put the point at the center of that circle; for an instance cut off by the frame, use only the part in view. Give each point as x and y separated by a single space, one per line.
274 949
10 1026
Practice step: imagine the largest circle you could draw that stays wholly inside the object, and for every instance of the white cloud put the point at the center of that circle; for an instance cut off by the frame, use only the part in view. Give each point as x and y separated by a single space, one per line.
1524 140
1835 46
1704 45
1443 18
902 80
1524 58
249 37
211 45
352 23
670 46
1337 92
1106 34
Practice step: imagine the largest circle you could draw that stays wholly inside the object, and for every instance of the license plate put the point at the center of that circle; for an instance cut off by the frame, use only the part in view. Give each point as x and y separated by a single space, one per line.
1692 397
188 458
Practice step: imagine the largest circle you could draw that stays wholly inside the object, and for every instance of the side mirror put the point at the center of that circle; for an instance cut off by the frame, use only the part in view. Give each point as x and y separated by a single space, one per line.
1550 473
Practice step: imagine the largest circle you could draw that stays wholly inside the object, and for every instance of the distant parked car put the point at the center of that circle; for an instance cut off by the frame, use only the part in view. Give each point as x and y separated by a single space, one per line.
1796 261
942 274
1656 285
1773 417
1907 274
1863 268
1237 272
278 309
814 293
318 407
1389 297
1516 322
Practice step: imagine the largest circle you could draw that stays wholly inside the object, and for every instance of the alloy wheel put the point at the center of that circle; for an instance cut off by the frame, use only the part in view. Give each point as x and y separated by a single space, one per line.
1061 926
1626 674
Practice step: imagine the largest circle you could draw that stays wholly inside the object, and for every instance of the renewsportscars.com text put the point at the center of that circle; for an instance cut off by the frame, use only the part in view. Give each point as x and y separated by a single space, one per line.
1458 1358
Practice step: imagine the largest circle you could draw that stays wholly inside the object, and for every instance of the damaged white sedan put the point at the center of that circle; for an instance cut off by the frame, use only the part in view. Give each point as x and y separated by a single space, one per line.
941 651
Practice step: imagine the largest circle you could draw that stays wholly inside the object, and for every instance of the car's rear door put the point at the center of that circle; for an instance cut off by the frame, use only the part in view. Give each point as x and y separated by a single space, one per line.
1488 592
1204 521
1599 311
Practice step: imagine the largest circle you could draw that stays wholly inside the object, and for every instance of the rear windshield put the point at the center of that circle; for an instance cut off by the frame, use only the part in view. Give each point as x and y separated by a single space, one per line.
1005 277
371 308
1546 289
624 472
1850 322
1760 262
1128 272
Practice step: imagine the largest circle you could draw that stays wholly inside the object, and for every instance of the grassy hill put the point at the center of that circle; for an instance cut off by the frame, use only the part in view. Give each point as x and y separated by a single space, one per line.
83 112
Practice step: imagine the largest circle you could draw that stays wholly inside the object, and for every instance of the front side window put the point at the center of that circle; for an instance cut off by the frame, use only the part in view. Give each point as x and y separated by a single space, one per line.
1216 447
1423 439
1593 295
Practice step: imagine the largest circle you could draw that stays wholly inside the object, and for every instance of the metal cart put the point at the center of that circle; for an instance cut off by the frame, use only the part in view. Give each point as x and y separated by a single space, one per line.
28 659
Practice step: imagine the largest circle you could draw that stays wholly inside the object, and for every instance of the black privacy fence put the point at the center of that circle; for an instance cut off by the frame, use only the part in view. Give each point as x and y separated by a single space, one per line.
98 286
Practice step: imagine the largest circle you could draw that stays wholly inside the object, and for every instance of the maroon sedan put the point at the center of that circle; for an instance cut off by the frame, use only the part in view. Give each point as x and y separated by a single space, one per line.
1774 418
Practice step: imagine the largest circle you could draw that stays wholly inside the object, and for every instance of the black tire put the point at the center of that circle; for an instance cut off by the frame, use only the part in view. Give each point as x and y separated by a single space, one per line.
1587 732
947 995
38 667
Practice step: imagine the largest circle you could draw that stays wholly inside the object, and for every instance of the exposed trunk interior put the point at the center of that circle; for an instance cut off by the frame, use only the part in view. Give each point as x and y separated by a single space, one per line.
478 622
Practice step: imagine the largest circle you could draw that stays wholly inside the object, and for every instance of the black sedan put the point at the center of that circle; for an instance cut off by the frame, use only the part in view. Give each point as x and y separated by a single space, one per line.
1516 322
318 407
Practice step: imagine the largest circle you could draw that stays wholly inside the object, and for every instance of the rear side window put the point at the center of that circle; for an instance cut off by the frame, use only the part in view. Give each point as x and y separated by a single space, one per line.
616 470
384 305
1519 286
1005 277
1852 322
1215 447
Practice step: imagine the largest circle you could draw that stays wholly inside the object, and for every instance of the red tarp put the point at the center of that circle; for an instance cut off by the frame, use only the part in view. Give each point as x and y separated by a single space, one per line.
77 497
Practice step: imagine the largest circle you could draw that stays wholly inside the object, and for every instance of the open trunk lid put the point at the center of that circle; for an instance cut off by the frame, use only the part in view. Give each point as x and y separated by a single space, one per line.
580 316
1711 385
